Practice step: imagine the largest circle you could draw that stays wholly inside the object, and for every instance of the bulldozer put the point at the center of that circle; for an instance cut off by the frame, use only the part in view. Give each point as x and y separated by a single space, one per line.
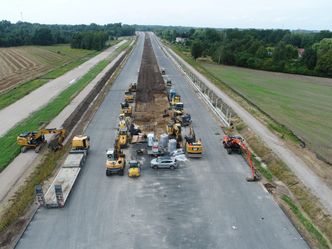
36 139
193 147
115 163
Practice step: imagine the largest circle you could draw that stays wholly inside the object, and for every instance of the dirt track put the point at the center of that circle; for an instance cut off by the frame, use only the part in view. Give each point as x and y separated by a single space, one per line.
151 97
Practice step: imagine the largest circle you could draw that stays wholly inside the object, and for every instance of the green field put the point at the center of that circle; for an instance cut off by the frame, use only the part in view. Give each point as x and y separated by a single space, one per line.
301 103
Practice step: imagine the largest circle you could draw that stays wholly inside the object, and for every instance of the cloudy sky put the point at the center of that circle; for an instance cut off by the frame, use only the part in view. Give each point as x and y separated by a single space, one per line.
286 14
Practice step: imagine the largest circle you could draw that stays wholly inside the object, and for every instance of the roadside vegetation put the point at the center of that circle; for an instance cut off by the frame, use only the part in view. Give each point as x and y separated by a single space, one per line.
12 217
43 116
274 170
299 52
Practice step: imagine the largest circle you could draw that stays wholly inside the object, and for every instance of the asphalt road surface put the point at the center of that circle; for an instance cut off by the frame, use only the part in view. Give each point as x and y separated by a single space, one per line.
206 203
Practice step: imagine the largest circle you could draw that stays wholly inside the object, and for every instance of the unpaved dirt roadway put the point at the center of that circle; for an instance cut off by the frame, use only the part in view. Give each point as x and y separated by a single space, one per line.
32 102
296 164
206 203
16 170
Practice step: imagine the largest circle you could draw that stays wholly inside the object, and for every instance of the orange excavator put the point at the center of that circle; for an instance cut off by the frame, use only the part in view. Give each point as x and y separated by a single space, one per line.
236 144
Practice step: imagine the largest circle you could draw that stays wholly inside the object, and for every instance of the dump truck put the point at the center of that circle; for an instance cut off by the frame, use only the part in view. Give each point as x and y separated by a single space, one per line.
59 190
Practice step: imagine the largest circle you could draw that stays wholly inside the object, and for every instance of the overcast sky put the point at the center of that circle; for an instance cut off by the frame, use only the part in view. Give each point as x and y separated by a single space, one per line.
286 14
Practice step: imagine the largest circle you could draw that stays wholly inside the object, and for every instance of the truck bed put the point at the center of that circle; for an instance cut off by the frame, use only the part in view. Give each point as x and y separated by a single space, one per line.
74 160
66 178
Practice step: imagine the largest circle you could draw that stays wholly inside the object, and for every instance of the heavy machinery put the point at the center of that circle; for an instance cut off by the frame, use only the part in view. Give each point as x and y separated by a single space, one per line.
36 139
173 130
132 87
185 120
178 109
193 147
80 143
235 143
123 134
175 99
129 97
134 168
115 163
126 109
63 183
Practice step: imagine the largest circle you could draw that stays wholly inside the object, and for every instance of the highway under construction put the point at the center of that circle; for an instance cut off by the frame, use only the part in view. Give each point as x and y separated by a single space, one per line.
204 203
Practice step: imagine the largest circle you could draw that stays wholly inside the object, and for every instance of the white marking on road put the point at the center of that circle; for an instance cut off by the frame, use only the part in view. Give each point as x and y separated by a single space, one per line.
72 81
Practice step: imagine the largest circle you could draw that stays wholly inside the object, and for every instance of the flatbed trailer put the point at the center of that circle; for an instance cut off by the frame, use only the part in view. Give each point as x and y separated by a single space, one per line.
59 191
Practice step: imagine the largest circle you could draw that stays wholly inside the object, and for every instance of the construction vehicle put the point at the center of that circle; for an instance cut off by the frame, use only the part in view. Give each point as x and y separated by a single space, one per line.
176 99
235 143
193 147
132 87
59 190
123 134
36 139
168 83
115 163
178 109
185 120
126 109
134 168
171 94
173 130
129 97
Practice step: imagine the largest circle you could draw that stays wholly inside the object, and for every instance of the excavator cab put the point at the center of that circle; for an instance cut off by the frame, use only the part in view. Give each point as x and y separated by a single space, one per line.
193 146
126 109
176 99
233 143
178 108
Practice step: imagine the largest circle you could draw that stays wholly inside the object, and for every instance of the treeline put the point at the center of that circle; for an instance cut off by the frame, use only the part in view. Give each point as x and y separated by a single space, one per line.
24 33
89 40
300 52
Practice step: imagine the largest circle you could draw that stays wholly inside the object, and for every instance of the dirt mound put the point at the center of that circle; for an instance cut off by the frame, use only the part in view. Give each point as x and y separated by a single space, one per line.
151 96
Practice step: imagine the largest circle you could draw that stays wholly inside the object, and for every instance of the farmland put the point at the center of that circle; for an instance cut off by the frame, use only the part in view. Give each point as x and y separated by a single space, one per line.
21 64
301 103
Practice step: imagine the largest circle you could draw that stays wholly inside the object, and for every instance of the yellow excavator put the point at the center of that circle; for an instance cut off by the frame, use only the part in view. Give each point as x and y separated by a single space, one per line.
123 134
115 163
173 130
36 139
193 146
175 99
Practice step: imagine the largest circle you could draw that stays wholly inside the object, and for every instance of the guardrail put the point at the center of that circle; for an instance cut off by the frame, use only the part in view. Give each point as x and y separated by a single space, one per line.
216 104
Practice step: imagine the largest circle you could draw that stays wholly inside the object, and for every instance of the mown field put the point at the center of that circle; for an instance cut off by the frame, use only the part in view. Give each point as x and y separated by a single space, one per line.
21 64
301 103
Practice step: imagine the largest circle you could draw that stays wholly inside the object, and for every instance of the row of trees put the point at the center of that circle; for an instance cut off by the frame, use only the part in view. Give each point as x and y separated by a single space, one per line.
24 33
89 40
300 52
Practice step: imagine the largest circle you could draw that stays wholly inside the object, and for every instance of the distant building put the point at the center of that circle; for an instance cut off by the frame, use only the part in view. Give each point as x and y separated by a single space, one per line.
300 52
180 40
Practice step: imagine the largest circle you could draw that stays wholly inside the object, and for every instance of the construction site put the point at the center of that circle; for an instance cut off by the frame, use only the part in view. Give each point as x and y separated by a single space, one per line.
152 168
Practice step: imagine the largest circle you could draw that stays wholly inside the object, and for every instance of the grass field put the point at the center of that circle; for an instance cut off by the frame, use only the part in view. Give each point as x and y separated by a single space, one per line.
301 103
47 113
21 64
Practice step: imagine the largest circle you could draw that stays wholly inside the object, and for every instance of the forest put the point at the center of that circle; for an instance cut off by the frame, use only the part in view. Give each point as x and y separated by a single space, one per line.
300 52
91 36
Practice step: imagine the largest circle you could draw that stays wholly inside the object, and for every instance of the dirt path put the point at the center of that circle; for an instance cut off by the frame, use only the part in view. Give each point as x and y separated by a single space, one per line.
295 163
32 102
